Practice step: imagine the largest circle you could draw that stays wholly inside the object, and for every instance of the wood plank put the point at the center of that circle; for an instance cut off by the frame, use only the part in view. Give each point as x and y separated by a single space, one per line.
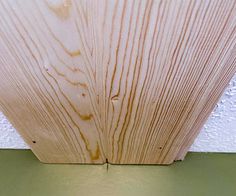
127 81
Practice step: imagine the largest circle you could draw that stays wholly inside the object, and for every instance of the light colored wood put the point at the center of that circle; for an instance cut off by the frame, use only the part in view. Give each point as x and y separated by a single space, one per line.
127 81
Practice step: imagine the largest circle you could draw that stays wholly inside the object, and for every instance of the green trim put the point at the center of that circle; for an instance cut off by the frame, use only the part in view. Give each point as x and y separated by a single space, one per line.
201 174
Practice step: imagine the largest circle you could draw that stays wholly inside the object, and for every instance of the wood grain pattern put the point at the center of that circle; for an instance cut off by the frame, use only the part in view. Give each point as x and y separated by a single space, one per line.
127 81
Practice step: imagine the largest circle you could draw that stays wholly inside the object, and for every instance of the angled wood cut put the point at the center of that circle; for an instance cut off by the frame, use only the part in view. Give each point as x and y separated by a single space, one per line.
128 81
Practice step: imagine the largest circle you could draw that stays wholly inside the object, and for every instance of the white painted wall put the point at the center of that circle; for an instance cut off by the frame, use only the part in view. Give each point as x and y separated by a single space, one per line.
217 135
9 138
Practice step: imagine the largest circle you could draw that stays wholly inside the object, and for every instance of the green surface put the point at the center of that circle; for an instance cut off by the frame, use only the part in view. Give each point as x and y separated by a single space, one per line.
200 174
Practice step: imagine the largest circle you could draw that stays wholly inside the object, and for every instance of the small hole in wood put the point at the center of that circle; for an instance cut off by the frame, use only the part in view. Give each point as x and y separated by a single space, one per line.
160 147
34 142
83 94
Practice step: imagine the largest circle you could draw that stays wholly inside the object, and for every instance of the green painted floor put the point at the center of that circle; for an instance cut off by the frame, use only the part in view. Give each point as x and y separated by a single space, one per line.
21 174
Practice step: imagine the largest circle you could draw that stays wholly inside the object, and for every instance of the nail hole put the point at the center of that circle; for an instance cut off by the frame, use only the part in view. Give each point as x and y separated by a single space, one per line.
83 94
34 142
160 147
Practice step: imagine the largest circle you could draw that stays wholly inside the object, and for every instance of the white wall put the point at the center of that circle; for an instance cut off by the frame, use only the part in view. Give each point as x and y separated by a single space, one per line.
9 138
217 135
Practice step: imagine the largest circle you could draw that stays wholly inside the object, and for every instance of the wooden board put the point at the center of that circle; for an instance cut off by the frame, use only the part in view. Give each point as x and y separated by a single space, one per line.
128 81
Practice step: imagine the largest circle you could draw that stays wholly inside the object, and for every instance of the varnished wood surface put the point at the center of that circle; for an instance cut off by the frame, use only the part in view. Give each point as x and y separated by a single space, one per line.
128 81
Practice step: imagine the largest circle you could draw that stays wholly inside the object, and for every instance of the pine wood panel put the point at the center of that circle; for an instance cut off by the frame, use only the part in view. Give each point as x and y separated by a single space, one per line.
128 81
